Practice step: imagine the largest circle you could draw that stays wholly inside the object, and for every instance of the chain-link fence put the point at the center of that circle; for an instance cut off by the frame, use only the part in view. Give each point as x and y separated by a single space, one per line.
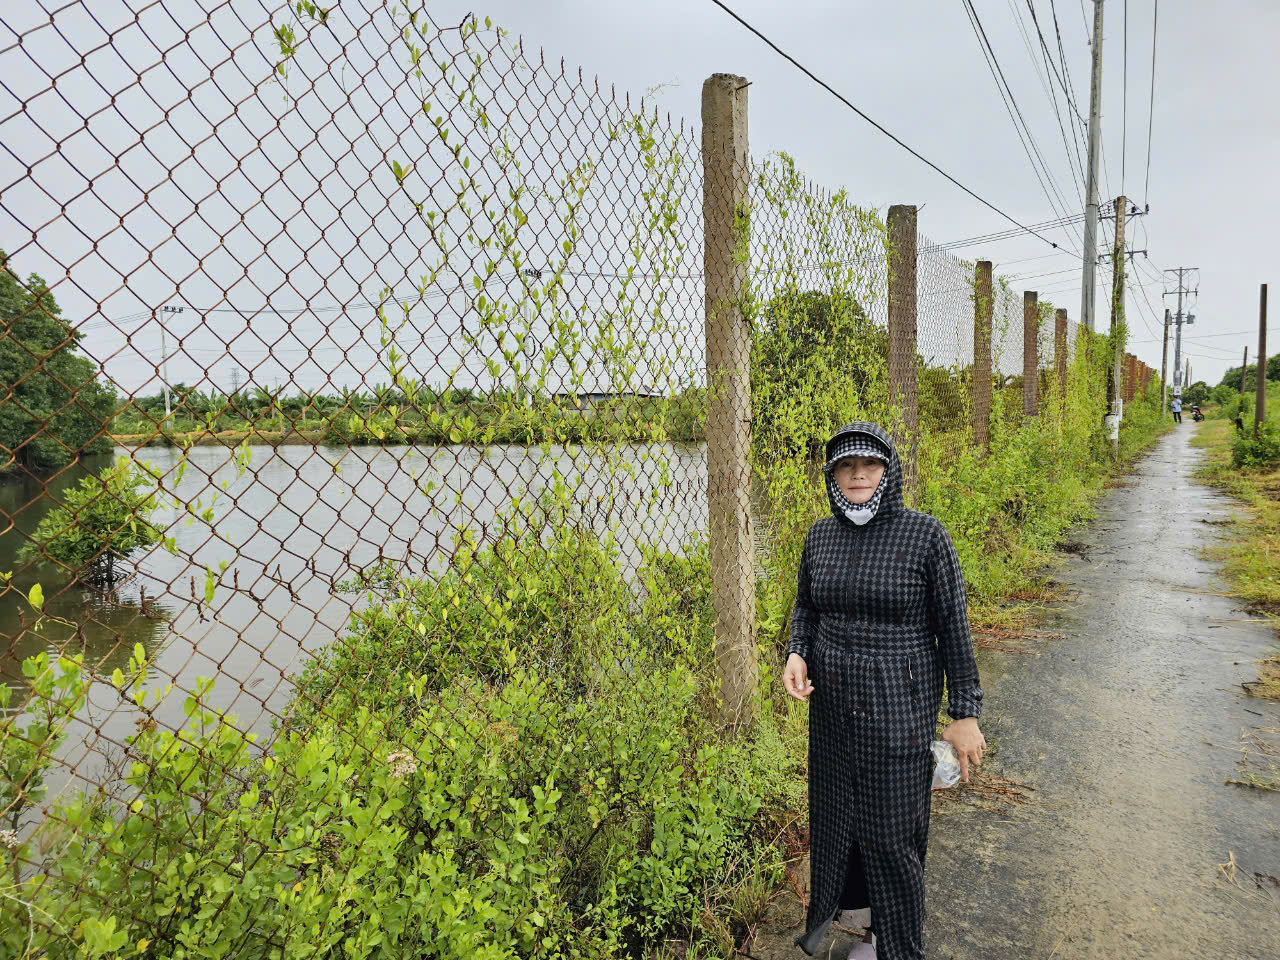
408 444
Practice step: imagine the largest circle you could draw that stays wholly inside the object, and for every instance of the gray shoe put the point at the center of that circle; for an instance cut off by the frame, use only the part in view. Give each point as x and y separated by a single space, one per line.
864 951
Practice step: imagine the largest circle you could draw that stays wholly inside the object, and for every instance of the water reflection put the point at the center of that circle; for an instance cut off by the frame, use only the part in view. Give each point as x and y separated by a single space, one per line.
284 532
100 625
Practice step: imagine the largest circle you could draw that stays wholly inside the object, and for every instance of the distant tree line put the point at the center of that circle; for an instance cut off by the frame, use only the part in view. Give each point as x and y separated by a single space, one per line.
1232 377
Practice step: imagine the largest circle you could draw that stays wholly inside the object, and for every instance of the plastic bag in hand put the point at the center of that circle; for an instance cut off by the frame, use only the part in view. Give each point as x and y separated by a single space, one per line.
946 772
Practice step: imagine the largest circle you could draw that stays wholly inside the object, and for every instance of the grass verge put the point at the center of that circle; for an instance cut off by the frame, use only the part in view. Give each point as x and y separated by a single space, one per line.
1250 554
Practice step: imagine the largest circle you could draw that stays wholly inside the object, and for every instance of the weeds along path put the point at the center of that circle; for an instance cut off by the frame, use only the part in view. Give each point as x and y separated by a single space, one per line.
1124 732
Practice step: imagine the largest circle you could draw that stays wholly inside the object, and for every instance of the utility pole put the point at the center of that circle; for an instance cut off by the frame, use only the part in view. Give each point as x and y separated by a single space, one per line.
1115 390
1091 195
1164 365
164 358
1180 381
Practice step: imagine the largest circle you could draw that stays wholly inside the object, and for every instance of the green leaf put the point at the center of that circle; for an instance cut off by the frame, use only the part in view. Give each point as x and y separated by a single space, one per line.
36 597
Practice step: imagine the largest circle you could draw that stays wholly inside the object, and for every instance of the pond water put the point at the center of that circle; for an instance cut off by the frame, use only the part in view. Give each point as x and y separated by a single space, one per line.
291 526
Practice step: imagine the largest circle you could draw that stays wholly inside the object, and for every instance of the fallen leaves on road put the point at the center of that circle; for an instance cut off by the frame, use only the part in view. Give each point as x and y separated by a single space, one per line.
989 792
996 638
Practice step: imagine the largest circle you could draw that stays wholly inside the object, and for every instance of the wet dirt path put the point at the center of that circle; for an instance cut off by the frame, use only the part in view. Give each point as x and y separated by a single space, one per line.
1126 727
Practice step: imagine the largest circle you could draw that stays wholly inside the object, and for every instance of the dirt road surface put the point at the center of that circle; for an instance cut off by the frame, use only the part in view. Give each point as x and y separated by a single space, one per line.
1123 731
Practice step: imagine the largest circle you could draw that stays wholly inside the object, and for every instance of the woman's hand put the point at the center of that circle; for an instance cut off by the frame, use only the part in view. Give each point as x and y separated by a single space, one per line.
795 676
969 742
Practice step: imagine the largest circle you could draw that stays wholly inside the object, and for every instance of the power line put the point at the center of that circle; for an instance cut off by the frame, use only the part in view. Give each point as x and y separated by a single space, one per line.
1021 24
1041 256
1044 46
1081 133
1051 92
1036 276
1028 141
915 153
1009 234
1155 24
1070 88
1224 354
1124 101
1207 336
1075 136
1150 309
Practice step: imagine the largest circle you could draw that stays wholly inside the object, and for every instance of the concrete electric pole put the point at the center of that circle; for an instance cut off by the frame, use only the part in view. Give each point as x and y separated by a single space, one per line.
1179 381
164 358
1090 256
1115 387
1164 365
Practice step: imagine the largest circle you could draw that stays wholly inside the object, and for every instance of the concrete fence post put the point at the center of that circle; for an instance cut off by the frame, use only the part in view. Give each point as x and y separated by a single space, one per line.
1060 350
1244 373
1260 400
904 390
1030 353
726 170
983 304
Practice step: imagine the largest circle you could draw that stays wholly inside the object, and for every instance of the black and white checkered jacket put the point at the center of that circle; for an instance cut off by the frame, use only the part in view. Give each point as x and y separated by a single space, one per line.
880 620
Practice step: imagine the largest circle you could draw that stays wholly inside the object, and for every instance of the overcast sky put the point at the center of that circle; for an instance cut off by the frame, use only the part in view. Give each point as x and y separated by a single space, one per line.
914 66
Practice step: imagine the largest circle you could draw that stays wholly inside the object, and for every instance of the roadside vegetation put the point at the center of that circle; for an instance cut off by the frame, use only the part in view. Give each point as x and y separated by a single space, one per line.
1248 468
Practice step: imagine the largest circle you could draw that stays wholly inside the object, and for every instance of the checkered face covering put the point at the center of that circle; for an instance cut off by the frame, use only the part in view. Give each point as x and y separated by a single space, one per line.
859 513
855 445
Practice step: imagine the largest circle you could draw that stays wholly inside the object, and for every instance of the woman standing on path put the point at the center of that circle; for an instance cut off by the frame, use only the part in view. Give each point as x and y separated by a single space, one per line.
880 617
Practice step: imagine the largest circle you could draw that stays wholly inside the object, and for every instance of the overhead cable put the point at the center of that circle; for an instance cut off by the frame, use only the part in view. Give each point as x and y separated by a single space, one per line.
1027 139
911 150
1155 24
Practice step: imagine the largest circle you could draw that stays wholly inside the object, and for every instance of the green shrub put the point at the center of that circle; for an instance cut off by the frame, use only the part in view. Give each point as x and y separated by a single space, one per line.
57 693
1263 450
561 605
102 521
538 774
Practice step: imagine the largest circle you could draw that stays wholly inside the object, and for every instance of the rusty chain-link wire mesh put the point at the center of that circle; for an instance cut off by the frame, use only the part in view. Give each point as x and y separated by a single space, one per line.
406 438
406 323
